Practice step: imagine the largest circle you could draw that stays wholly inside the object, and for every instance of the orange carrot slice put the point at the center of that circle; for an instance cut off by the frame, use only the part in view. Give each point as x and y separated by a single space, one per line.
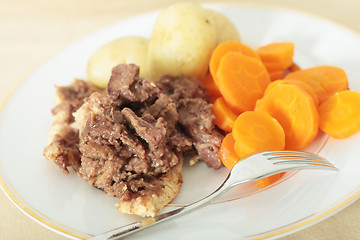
264 182
325 80
277 55
225 47
226 151
299 83
224 115
295 110
340 114
241 80
257 131
273 66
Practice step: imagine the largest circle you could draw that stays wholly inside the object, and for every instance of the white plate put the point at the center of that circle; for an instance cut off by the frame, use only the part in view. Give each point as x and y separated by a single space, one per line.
68 205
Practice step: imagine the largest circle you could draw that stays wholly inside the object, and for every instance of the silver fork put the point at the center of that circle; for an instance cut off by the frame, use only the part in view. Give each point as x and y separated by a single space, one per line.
251 168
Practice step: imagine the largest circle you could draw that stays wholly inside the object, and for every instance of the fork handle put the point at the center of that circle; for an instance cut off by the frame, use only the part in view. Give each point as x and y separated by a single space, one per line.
151 221
119 233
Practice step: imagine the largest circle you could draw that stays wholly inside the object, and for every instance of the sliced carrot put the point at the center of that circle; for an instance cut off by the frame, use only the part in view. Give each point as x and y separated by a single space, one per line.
241 80
340 114
225 47
299 83
277 75
211 88
295 110
264 182
257 131
273 66
226 151
277 55
325 80
224 115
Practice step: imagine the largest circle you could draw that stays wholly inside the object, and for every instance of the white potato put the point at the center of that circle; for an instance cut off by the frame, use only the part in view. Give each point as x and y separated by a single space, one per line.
182 41
125 50
225 29
183 38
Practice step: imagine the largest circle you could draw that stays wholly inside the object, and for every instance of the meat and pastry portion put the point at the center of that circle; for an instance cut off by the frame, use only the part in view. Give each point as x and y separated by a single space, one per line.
127 144
129 140
63 140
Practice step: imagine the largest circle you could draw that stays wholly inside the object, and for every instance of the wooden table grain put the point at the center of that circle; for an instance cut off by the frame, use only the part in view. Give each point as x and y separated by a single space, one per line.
32 31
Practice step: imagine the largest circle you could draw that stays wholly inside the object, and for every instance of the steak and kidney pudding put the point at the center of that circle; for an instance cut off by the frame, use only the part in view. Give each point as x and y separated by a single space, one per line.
129 140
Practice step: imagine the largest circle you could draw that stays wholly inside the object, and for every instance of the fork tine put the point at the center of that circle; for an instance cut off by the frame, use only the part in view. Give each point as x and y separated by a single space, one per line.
294 155
291 157
317 167
287 153
304 162
287 157
303 158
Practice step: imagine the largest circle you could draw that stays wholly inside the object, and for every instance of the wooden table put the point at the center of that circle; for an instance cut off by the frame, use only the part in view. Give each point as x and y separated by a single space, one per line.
32 31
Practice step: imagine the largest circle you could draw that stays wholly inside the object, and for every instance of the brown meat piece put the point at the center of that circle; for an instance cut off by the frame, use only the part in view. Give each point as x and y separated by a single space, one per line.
151 130
197 119
63 141
125 85
63 149
182 87
70 98
195 116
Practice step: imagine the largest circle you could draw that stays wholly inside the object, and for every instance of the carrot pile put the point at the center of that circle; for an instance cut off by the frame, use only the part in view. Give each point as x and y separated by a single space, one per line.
264 101
277 58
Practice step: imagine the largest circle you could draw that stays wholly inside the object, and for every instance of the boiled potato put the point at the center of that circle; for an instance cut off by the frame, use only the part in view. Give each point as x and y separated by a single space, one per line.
182 41
225 29
125 50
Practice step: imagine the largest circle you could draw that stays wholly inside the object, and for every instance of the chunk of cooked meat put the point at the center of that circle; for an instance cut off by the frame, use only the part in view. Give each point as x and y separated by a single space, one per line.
130 140
195 115
125 85
63 140
128 143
